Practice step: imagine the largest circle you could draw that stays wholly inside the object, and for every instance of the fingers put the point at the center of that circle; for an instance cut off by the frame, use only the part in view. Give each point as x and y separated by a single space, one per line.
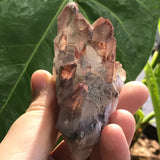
113 144
117 136
44 107
43 92
133 95
44 104
126 121
33 134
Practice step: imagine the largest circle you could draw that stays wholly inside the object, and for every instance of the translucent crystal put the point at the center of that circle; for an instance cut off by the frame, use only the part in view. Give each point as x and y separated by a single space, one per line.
88 79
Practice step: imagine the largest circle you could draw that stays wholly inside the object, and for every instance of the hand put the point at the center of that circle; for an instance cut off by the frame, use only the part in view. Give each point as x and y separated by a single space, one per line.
33 135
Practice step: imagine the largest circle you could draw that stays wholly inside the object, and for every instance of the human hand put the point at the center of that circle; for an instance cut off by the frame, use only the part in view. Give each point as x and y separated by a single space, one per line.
33 135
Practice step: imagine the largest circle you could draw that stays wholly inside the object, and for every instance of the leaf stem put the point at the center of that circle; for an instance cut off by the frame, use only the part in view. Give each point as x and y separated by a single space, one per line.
154 92
155 59
148 118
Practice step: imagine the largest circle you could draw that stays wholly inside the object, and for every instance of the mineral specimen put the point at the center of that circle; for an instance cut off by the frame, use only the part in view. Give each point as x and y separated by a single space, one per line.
88 79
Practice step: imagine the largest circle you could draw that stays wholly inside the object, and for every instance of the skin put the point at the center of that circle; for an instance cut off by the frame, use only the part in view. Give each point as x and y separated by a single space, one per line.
33 135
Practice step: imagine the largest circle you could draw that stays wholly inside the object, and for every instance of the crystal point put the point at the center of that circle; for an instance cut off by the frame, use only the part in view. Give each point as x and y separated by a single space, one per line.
88 79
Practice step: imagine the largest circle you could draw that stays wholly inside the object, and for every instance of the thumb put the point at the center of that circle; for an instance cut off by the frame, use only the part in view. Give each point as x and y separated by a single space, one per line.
33 135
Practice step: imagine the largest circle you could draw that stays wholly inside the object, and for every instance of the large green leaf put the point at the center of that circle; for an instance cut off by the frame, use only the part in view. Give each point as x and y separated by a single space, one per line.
27 30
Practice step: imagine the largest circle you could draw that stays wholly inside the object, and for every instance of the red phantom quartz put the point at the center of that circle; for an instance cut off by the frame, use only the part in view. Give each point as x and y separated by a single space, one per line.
88 78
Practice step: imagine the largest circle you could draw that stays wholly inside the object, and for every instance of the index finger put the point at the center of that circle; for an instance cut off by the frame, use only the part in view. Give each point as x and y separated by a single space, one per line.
133 95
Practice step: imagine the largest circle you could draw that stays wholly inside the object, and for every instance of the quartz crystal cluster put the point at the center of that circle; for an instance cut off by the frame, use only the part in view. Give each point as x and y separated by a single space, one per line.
88 79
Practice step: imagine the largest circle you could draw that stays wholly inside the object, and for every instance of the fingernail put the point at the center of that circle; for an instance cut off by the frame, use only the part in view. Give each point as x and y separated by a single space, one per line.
38 84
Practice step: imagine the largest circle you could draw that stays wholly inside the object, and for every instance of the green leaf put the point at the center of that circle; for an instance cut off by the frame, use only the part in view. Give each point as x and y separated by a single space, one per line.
27 30
154 93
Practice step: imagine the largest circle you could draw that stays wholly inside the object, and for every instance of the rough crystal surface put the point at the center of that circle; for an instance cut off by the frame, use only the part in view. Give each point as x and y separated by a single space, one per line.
88 78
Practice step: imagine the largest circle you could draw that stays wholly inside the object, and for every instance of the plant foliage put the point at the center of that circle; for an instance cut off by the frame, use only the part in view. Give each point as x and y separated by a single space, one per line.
153 83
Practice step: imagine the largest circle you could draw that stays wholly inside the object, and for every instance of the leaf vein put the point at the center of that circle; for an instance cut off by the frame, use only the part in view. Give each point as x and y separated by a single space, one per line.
3 1
143 5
